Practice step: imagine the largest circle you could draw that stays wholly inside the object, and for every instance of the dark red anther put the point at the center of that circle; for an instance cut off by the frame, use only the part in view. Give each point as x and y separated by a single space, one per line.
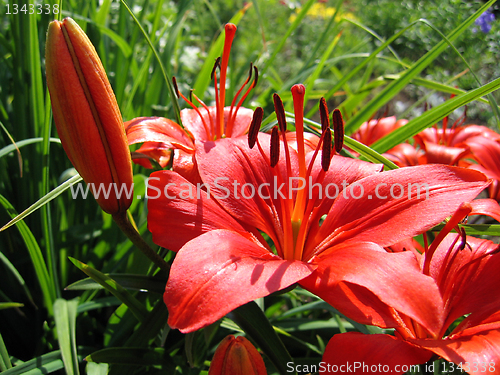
216 65
275 147
323 114
253 132
176 88
256 72
326 154
338 129
280 112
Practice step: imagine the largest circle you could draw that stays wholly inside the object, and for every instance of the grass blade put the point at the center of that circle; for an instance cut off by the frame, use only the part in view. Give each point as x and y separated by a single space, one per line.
65 319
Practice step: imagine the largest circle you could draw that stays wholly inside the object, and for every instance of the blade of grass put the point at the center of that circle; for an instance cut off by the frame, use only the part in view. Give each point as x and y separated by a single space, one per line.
46 284
65 320
43 201
5 363
114 288
10 267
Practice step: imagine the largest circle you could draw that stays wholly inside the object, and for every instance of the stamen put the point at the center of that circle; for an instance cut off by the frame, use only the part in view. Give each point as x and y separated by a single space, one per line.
280 112
253 133
464 210
180 95
176 88
326 154
323 114
216 65
338 129
234 111
230 31
275 147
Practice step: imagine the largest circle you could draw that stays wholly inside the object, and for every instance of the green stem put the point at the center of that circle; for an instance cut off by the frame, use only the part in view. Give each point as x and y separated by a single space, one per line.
131 232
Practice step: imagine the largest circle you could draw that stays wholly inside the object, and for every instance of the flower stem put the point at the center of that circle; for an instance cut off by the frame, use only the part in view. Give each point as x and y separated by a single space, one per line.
131 232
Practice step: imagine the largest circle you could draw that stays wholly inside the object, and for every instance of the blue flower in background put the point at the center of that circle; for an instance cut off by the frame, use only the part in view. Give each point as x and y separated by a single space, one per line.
484 22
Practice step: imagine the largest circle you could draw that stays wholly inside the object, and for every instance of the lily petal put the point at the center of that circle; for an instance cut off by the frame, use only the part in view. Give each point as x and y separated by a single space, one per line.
179 212
477 351
219 271
367 284
354 352
158 129
379 215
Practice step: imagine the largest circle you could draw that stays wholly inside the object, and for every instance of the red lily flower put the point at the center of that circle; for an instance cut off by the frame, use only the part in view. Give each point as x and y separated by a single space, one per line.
447 145
464 275
161 135
487 153
227 262
371 131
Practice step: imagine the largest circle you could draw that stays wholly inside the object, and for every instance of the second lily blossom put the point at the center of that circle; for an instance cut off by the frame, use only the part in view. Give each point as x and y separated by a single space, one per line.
160 135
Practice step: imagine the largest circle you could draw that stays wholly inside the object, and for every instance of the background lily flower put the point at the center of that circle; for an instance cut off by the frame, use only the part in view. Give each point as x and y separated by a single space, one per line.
486 152
198 124
464 273
227 262
86 114
237 356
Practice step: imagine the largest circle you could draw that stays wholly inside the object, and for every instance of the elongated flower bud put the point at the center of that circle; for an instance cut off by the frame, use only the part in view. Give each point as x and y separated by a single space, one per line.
87 116
237 356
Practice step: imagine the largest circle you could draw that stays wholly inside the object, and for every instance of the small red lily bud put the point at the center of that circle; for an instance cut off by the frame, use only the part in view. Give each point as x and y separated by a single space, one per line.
86 114
237 356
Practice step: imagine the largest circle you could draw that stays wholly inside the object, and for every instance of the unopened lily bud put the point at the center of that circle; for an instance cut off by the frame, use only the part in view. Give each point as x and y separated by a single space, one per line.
237 356
87 116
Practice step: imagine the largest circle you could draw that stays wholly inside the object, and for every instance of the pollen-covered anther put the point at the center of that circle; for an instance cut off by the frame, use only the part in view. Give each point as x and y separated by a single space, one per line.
280 112
338 129
275 147
253 132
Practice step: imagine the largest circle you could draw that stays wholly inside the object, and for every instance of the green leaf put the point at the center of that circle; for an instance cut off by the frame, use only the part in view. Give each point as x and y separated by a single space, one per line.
42 274
65 319
114 288
254 323
44 200
10 148
5 363
10 305
130 356
128 281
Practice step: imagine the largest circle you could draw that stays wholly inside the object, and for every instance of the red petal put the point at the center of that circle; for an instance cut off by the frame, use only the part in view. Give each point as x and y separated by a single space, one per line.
477 351
488 207
367 284
158 129
439 154
379 216
219 271
373 354
174 221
